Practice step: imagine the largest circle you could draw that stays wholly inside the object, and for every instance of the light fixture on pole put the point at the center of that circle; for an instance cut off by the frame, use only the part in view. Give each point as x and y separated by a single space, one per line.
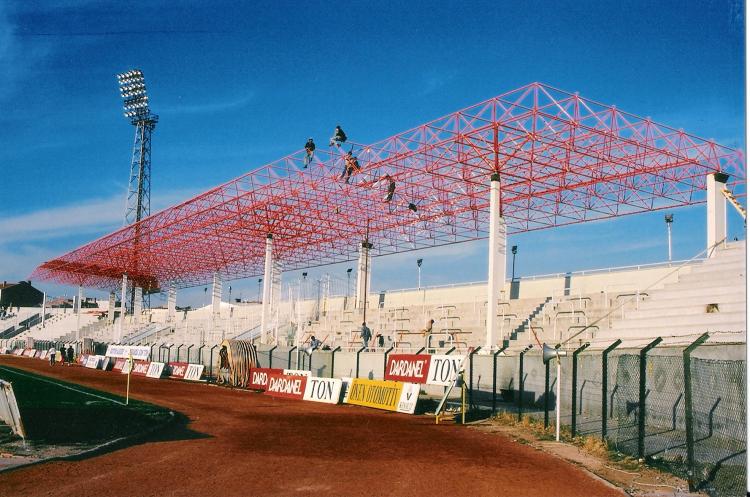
230 294
349 282
260 280
514 251
669 219
138 201
419 274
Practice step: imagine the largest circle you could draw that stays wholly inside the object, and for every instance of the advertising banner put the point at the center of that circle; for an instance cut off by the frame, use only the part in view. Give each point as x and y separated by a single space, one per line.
92 362
407 403
444 369
259 377
177 370
83 359
155 370
43 355
138 352
289 387
194 372
140 368
119 364
297 372
380 394
326 390
412 368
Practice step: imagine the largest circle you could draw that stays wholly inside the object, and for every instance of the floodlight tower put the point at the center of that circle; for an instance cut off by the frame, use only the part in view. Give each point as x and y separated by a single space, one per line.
136 109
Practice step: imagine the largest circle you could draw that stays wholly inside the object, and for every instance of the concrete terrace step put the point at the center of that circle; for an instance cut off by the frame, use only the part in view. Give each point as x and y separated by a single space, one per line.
679 308
714 320
668 329
706 292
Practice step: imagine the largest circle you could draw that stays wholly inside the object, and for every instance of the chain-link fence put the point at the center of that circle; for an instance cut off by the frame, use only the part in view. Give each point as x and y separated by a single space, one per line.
681 409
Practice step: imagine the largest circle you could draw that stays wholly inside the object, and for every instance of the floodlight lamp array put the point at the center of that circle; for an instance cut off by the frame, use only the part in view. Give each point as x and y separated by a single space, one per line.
133 92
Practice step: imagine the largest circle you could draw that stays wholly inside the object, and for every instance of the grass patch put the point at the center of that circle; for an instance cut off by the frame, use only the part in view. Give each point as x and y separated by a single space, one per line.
59 412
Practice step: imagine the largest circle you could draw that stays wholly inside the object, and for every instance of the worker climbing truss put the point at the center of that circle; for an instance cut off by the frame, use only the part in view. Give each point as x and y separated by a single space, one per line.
561 159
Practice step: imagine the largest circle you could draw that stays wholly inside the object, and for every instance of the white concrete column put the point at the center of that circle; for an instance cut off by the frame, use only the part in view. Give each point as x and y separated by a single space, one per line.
111 308
137 304
364 271
275 298
78 312
215 321
44 307
716 210
267 282
171 303
123 307
496 261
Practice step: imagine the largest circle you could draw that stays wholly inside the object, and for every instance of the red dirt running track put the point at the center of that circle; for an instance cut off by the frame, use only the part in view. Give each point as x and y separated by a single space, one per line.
245 444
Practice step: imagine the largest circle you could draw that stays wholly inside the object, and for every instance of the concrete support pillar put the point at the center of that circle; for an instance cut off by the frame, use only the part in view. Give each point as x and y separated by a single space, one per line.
44 308
216 289
137 304
267 283
111 308
171 303
123 308
275 298
364 270
496 261
716 210
77 309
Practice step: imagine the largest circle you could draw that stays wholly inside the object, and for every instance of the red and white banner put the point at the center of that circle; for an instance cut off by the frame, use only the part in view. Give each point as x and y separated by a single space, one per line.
194 372
177 370
29 352
83 359
140 368
155 370
43 355
259 377
119 364
326 390
140 352
18 352
423 368
411 368
288 387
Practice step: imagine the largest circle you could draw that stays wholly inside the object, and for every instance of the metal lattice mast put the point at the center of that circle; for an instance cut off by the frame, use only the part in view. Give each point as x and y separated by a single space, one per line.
138 200
135 106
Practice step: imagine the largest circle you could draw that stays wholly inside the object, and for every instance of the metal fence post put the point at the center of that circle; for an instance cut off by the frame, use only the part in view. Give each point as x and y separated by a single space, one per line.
385 360
188 352
574 393
520 380
605 380
471 375
179 347
689 436
333 358
494 377
270 356
642 397
211 363
356 374
450 350
200 354
289 357
546 394
419 351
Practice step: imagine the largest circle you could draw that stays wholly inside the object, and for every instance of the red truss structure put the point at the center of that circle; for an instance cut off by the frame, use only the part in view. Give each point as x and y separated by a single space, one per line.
562 159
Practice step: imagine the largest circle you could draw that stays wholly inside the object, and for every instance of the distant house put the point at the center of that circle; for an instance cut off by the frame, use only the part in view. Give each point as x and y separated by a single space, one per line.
20 294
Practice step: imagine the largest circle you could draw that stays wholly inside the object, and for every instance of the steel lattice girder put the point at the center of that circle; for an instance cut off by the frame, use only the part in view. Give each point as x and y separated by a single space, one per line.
562 159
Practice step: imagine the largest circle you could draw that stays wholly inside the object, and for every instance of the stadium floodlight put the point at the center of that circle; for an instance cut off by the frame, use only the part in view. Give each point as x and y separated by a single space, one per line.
669 219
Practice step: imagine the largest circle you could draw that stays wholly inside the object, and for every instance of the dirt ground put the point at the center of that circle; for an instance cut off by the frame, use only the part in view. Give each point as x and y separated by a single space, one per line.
238 443
641 481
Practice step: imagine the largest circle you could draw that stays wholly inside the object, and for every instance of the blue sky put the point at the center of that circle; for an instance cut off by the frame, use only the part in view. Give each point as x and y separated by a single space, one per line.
239 84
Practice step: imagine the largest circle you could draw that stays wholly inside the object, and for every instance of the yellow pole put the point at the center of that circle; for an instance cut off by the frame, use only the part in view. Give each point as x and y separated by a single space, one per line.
130 368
